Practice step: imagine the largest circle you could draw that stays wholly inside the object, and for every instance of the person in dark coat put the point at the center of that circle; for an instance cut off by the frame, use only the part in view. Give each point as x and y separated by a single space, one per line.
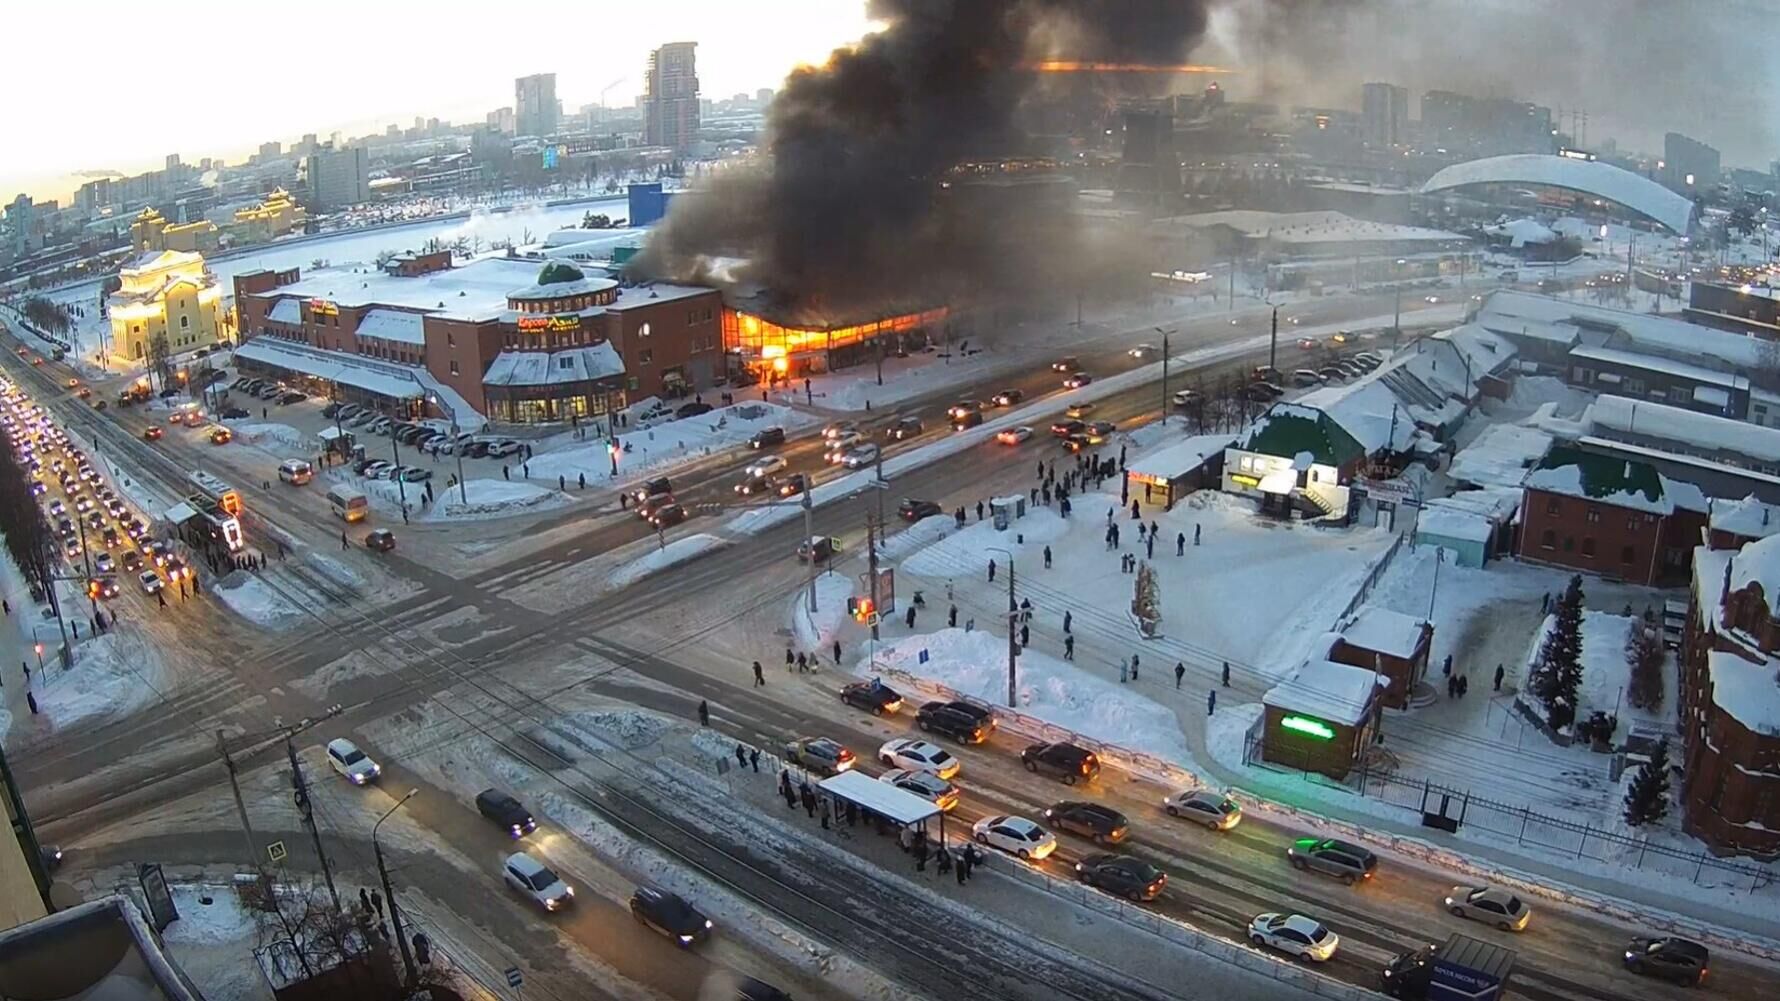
1180 671
741 756
963 864
837 653
1499 673
1226 674
808 796
910 617
803 666
704 713
942 860
759 675
789 660
785 789
754 759
1069 647
1047 557
1180 543
921 854
1067 619
952 617
1025 636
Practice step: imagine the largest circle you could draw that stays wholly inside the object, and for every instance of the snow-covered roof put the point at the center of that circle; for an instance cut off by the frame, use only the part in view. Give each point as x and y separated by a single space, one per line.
475 292
1453 523
1334 693
392 325
1306 227
1747 692
1758 562
1523 231
1620 482
1710 434
384 378
1667 366
1288 430
1498 504
1385 631
1500 456
636 296
1369 410
1527 314
1595 177
1748 517
1181 457
287 311
881 798
547 368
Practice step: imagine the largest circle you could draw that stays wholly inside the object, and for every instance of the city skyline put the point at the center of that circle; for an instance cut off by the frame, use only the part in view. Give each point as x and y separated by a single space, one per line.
443 69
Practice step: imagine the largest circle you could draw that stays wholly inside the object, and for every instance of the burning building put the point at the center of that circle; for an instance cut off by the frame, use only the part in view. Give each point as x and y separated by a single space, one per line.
763 338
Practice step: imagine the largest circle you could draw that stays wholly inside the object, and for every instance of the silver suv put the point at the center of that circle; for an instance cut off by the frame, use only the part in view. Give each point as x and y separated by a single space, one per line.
1346 862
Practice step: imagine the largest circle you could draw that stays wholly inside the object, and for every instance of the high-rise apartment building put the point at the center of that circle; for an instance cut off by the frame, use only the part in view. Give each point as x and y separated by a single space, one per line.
1688 164
670 96
1485 126
1384 115
534 104
338 178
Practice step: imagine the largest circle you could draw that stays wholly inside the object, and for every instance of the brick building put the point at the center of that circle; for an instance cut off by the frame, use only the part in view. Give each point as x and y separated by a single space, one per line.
1605 515
1393 645
1730 700
498 337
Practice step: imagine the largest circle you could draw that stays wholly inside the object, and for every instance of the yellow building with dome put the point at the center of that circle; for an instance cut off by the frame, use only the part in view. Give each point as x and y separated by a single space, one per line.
167 292
151 231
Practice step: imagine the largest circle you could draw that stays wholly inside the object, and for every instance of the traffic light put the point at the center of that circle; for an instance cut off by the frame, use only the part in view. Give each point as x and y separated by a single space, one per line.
861 608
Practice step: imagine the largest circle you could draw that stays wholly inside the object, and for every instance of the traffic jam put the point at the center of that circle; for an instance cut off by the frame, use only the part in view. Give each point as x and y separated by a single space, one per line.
1079 838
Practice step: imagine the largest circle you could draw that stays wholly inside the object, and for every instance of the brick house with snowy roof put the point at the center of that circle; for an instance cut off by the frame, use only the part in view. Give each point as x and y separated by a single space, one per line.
1730 699
1295 458
1606 515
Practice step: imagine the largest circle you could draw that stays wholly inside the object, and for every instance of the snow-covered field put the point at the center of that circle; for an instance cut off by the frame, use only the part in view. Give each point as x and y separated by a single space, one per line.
975 664
673 554
660 446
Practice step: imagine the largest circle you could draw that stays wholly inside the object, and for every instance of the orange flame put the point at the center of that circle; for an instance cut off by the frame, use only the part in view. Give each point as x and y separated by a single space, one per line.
1084 66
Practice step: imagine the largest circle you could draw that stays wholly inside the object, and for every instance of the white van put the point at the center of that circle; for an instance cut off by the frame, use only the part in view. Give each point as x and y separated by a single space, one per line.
296 472
348 504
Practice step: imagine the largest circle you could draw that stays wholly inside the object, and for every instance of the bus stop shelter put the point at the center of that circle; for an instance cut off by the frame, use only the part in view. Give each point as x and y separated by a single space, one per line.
881 802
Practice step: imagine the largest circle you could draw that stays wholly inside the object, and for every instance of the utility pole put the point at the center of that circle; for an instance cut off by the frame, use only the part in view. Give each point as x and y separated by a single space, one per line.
809 534
389 892
395 453
1013 649
1164 334
871 557
253 845
1273 342
302 801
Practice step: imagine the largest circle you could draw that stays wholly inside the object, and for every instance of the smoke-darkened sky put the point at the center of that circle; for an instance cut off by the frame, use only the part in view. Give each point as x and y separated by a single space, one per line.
1639 68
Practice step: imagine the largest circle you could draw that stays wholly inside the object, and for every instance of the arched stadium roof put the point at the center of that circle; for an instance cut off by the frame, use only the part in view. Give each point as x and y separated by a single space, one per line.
1592 177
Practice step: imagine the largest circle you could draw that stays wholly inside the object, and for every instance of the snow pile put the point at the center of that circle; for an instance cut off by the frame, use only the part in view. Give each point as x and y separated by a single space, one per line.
675 553
250 597
116 673
975 664
491 499
816 630
922 533
335 571
629 729
968 551
665 444
208 915
280 438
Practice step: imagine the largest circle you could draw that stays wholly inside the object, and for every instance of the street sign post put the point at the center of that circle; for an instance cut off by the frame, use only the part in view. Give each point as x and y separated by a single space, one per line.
275 851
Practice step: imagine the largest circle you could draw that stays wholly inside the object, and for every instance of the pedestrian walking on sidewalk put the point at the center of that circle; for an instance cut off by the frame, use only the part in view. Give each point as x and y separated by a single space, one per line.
952 617
377 903
789 660
979 510
1047 557
910 617
741 756
1134 667
1069 648
1211 702
31 700
1446 666
1152 546
1180 543
963 865
942 861
1067 619
1025 636
1464 684
808 796
1195 533
1498 677
921 856
343 544
785 789
1226 674
759 676
825 814
837 653
991 571
1180 671
364 900
754 759
704 713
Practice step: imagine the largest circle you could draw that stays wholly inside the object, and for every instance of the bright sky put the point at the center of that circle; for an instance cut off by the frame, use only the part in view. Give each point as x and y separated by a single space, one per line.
354 65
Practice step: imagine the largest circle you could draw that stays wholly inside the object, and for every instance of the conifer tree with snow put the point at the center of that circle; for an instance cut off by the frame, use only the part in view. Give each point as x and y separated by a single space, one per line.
1562 644
1146 599
1647 797
1644 656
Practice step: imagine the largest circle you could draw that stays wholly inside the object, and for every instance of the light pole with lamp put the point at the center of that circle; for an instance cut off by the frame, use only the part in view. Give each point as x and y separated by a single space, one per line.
395 913
1164 333
1397 314
457 445
1013 614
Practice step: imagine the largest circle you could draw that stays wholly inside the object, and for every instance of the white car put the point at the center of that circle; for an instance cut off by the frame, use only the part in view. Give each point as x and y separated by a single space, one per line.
1016 836
841 443
103 563
859 457
932 788
766 465
354 764
1014 436
1214 810
537 881
838 428
1142 351
151 582
1295 935
1489 904
919 756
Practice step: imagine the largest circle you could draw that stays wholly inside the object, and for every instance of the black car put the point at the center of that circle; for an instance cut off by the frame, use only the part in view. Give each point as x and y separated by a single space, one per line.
905 427
694 409
327 411
233 413
873 696
667 516
750 989
506 811
1100 824
754 485
915 510
1008 397
292 397
767 436
1673 959
1065 429
655 487
1068 762
940 717
381 540
792 485
1131 878
984 717
670 914
1406 976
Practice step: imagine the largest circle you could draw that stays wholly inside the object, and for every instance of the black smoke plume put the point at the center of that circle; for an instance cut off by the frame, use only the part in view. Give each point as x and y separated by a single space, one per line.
844 217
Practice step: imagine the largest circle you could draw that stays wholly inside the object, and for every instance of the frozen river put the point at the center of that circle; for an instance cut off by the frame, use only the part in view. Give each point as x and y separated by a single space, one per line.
364 246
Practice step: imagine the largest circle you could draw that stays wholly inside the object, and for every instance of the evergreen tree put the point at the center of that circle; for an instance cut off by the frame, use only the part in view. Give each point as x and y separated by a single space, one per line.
1644 656
1146 600
1647 798
1559 672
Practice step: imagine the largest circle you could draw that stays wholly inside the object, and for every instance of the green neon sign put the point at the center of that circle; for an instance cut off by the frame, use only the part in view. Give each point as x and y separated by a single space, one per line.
1309 727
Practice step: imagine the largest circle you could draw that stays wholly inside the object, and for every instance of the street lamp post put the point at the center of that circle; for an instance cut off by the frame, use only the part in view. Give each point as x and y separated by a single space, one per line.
1013 614
389 893
1164 333
1273 342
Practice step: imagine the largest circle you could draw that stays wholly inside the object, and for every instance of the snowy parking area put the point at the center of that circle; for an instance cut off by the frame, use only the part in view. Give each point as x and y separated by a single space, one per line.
660 446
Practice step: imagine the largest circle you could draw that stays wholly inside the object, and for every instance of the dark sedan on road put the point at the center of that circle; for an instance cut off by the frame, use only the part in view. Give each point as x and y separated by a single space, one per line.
1100 824
792 485
1065 429
942 718
1131 878
669 914
505 811
905 427
766 437
1068 762
1008 397
873 696
1674 959
381 540
914 510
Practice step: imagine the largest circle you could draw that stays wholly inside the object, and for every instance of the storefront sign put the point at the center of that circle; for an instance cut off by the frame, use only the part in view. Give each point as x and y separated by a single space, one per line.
549 323
1247 481
1309 727
323 307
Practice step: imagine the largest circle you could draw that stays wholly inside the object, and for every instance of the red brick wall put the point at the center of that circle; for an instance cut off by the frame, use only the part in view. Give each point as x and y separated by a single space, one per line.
680 330
1723 790
472 346
1590 536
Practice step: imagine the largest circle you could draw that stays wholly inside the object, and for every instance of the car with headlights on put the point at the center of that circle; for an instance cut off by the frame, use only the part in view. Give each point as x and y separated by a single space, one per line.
1014 436
1346 862
919 755
345 757
1064 761
507 813
873 696
943 718
1670 958
1131 878
1215 810
1102 825
535 880
669 914
1490 905
820 755
932 788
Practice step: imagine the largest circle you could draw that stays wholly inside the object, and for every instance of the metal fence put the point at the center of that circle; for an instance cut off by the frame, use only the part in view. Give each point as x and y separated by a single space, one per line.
1364 591
1521 823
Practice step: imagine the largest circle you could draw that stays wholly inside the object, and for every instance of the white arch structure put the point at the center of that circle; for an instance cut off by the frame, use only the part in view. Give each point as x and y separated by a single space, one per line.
1592 177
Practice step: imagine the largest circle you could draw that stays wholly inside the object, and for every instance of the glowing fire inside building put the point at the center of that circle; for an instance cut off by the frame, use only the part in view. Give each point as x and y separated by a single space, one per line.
761 344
